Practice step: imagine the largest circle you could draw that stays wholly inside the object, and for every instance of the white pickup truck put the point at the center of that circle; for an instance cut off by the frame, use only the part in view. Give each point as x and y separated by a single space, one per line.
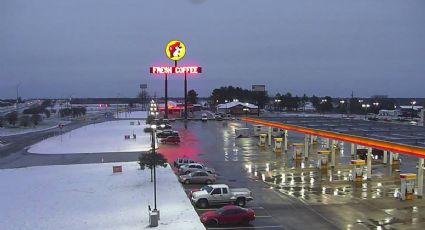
220 194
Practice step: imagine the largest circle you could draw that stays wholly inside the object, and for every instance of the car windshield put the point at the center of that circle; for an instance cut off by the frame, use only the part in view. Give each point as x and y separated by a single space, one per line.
207 188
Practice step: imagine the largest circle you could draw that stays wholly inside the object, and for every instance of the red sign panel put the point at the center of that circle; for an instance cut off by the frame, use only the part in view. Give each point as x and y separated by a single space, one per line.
117 169
175 70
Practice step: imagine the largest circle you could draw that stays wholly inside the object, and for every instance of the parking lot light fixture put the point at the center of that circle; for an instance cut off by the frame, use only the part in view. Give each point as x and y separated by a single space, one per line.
413 104
342 106
277 101
246 110
365 106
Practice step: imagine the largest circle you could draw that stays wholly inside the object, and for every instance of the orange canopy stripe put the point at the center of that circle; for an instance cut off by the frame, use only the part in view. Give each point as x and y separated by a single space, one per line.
369 142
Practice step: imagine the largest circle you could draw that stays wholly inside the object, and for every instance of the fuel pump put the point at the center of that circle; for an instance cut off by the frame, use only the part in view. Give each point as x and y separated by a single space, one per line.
262 142
298 151
358 170
278 145
407 186
322 163
396 160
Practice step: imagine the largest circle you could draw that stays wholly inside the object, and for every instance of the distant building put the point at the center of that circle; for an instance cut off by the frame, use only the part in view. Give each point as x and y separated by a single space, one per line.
237 108
410 111
308 107
389 114
177 109
259 88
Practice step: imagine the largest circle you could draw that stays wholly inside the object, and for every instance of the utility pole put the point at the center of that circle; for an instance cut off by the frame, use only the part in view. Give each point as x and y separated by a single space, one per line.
17 96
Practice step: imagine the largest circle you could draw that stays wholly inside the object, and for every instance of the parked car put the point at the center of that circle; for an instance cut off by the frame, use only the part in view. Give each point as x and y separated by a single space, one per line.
167 133
218 118
164 127
188 168
220 194
198 177
204 117
182 161
229 214
171 140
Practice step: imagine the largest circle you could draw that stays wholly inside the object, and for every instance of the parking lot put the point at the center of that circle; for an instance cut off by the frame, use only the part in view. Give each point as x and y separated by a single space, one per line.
286 194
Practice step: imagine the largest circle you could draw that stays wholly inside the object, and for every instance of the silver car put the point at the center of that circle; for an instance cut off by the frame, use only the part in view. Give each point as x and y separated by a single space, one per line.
197 177
192 167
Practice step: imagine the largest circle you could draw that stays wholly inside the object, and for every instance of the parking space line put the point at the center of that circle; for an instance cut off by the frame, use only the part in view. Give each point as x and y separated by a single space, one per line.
263 216
212 209
249 227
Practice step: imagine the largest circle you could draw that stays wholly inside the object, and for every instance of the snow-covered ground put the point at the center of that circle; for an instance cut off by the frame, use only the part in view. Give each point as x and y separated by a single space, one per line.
97 138
90 197
132 115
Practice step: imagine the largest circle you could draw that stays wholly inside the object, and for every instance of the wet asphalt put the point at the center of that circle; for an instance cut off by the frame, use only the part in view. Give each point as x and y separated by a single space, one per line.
296 195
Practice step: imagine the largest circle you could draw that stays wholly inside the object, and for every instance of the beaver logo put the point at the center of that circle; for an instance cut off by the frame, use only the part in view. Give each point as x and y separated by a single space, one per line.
175 50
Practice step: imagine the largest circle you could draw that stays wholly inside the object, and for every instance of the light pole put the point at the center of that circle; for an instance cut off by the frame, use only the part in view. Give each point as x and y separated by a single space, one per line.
342 102
376 104
322 102
277 103
225 111
154 112
365 106
246 110
413 104
17 96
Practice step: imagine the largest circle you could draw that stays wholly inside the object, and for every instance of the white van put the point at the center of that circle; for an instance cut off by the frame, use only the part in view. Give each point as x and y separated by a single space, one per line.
204 117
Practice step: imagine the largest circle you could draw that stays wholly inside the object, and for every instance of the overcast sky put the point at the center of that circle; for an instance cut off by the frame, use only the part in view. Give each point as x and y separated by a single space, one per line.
102 48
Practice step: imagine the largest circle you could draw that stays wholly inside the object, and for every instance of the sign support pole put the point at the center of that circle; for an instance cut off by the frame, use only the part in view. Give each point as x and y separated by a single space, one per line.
185 96
166 96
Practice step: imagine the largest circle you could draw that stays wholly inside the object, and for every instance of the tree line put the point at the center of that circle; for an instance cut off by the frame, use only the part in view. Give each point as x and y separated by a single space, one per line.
290 102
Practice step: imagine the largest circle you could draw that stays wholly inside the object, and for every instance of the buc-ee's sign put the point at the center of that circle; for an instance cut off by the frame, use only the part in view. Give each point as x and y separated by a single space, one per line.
175 70
175 50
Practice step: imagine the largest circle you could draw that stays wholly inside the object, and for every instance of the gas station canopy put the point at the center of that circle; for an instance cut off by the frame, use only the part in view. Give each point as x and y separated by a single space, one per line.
399 138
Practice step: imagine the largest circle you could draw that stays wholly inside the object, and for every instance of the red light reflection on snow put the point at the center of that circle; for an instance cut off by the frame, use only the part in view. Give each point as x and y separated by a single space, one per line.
188 148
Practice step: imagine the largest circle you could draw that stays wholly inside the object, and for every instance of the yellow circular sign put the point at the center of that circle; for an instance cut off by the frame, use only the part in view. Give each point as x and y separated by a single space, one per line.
175 50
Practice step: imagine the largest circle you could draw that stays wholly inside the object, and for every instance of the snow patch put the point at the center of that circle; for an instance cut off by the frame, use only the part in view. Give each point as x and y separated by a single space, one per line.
132 115
98 138
90 196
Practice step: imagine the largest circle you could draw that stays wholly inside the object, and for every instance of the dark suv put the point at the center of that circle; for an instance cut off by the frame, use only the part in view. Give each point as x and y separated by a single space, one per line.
171 140
167 133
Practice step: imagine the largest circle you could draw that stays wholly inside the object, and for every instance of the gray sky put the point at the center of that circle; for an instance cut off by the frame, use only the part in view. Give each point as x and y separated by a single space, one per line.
101 48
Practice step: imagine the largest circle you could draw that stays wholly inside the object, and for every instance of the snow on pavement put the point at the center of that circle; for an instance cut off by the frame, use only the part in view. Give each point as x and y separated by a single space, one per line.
89 196
97 138
132 115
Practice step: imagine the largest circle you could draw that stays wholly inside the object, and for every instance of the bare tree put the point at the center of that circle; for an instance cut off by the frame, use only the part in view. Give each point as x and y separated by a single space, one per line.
144 99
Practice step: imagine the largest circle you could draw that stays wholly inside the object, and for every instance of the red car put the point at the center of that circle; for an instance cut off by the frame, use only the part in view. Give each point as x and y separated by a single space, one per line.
171 140
229 214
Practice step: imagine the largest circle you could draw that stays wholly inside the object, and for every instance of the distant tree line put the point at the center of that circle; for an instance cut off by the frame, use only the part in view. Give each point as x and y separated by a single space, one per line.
290 102
74 112
230 93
